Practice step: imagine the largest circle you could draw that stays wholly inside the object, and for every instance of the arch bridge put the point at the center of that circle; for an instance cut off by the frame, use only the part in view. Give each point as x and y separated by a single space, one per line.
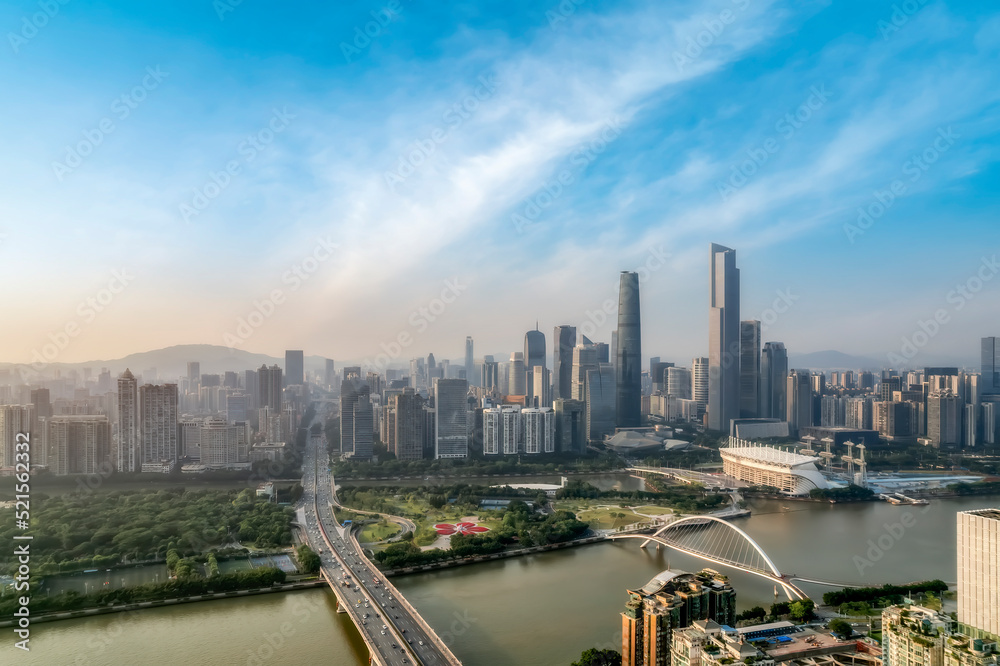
712 539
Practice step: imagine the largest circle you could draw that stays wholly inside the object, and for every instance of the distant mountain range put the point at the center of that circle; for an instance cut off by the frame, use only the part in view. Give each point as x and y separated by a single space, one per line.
171 362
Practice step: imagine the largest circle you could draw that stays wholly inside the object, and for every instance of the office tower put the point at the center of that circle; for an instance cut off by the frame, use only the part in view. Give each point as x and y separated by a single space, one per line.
563 342
671 601
600 407
516 381
42 403
991 418
469 362
970 418
990 372
944 425
409 425
78 444
355 370
818 383
658 375
750 369
16 420
294 367
888 386
700 382
570 419
210 380
539 430
329 373
584 360
363 422
451 429
603 351
193 372
799 395
541 387
127 455
229 380
491 374
352 390
979 573
236 408
158 422
723 339
104 381
773 380
613 349
269 387
628 354
679 383
534 357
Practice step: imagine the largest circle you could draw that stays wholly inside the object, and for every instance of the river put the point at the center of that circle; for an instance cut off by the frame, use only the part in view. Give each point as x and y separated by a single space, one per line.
541 610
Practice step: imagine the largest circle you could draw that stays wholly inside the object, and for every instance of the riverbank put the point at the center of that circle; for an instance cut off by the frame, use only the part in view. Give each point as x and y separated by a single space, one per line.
121 608
436 477
477 559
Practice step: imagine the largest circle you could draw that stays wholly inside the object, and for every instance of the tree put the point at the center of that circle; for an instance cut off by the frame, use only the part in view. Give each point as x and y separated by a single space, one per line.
596 657
802 611
841 627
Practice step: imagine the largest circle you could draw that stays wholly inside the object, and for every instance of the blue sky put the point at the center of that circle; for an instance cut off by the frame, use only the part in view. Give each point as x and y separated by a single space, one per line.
551 146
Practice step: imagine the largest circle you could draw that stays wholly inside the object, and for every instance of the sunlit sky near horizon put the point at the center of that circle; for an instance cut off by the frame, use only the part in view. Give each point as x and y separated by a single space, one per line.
525 151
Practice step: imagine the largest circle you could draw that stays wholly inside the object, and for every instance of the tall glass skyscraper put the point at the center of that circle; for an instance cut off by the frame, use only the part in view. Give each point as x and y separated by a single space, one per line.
628 354
563 341
773 371
723 339
534 356
294 367
469 362
991 366
749 369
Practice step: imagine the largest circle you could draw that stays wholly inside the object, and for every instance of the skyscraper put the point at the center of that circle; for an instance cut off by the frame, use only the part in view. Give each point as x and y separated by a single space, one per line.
534 356
451 430
517 380
541 386
944 414
723 339
15 420
194 372
570 426
699 382
127 455
773 373
158 422
563 341
991 365
749 369
491 374
679 383
269 387
78 444
409 425
294 367
628 354
584 359
330 374
800 404
353 391
979 572
600 402
469 361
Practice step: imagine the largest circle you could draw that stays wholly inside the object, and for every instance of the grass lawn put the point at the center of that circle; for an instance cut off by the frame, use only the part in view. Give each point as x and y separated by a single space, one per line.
378 531
655 510
601 518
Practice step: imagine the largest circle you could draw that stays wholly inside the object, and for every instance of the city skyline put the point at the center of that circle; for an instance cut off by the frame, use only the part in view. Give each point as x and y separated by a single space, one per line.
859 133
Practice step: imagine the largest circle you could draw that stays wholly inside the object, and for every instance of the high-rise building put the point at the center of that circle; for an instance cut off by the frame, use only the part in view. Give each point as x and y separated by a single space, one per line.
352 391
799 394
979 573
699 382
409 425
541 386
600 402
584 360
990 365
773 381
750 369
294 367
193 372
534 349
944 419
672 600
128 457
491 374
237 410
970 418
329 373
628 354
563 342
269 387
78 444
469 361
222 445
516 383
158 423
679 383
451 426
363 422
723 339
15 421
539 430
570 426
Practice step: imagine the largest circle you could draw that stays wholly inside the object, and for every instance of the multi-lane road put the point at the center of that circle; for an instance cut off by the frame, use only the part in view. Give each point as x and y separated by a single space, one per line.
390 626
